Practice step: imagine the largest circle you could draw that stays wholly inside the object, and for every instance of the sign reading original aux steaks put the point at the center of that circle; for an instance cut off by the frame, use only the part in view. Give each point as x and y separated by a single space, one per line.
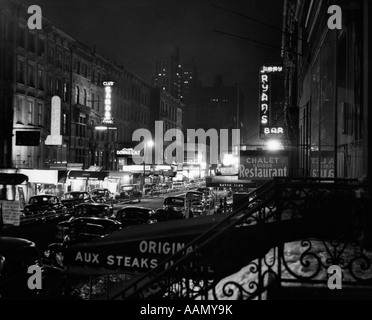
140 256
263 165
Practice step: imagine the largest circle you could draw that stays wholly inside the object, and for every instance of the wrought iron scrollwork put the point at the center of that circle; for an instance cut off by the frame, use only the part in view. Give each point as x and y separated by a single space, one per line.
294 257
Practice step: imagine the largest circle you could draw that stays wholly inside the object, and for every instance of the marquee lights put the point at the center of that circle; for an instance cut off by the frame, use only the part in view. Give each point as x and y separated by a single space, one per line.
108 85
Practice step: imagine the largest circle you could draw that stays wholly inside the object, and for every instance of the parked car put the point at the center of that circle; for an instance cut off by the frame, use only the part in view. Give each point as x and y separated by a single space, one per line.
84 229
208 195
134 216
129 192
102 195
75 233
16 255
82 225
173 208
100 210
73 198
196 202
45 206
178 185
165 187
149 188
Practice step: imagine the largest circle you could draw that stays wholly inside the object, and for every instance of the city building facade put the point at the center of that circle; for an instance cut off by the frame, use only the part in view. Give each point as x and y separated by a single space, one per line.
328 88
37 64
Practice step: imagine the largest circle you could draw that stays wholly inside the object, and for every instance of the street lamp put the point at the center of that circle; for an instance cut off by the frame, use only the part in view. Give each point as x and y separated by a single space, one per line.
274 145
149 144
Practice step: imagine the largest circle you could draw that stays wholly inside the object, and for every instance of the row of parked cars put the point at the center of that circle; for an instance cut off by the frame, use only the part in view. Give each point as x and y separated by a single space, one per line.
82 221
86 222
49 205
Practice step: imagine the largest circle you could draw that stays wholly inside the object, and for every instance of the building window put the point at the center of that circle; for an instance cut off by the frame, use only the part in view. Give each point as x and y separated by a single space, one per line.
85 70
20 71
67 63
31 42
50 55
40 47
59 87
59 59
92 101
30 111
40 114
85 97
40 78
19 109
21 37
77 95
50 85
30 72
98 102
78 67
93 75
81 126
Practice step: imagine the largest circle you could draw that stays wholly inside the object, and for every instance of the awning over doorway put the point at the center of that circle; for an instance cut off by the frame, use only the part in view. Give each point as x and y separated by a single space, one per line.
98 175
12 178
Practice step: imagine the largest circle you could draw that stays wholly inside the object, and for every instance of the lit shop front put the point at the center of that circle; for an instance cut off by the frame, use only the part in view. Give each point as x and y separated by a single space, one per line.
86 180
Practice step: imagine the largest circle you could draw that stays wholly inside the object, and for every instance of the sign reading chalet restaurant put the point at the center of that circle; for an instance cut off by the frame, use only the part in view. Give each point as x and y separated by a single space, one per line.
263 165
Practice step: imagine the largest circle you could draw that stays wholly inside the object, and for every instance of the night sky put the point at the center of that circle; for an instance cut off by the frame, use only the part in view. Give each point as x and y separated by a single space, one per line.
134 32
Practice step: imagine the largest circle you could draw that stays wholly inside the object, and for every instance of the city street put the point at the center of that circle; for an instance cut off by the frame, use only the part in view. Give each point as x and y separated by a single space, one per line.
44 233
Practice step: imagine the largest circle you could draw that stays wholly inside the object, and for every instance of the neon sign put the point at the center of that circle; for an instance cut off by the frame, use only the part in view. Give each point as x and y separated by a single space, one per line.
266 129
108 85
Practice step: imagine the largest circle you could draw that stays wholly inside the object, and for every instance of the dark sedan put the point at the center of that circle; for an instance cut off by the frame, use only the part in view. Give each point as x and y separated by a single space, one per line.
83 225
73 198
16 256
99 210
129 216
173 208
44 206
102 195
129 193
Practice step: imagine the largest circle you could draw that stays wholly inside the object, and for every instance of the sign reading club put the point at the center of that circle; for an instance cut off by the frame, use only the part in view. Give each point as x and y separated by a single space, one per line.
108 84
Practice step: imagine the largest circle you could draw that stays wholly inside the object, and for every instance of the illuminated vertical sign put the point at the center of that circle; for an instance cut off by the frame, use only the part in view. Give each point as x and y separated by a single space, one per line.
266 128
55 137
108 85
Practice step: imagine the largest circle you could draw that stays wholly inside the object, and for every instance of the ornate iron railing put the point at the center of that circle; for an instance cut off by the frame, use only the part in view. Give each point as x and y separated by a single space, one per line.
289 231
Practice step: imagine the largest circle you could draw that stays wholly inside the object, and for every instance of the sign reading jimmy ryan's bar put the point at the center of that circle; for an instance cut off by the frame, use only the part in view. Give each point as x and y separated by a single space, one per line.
263 165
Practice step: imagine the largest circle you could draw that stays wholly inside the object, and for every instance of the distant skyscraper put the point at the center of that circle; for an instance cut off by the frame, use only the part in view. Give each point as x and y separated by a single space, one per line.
167 74
189 81
175 76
